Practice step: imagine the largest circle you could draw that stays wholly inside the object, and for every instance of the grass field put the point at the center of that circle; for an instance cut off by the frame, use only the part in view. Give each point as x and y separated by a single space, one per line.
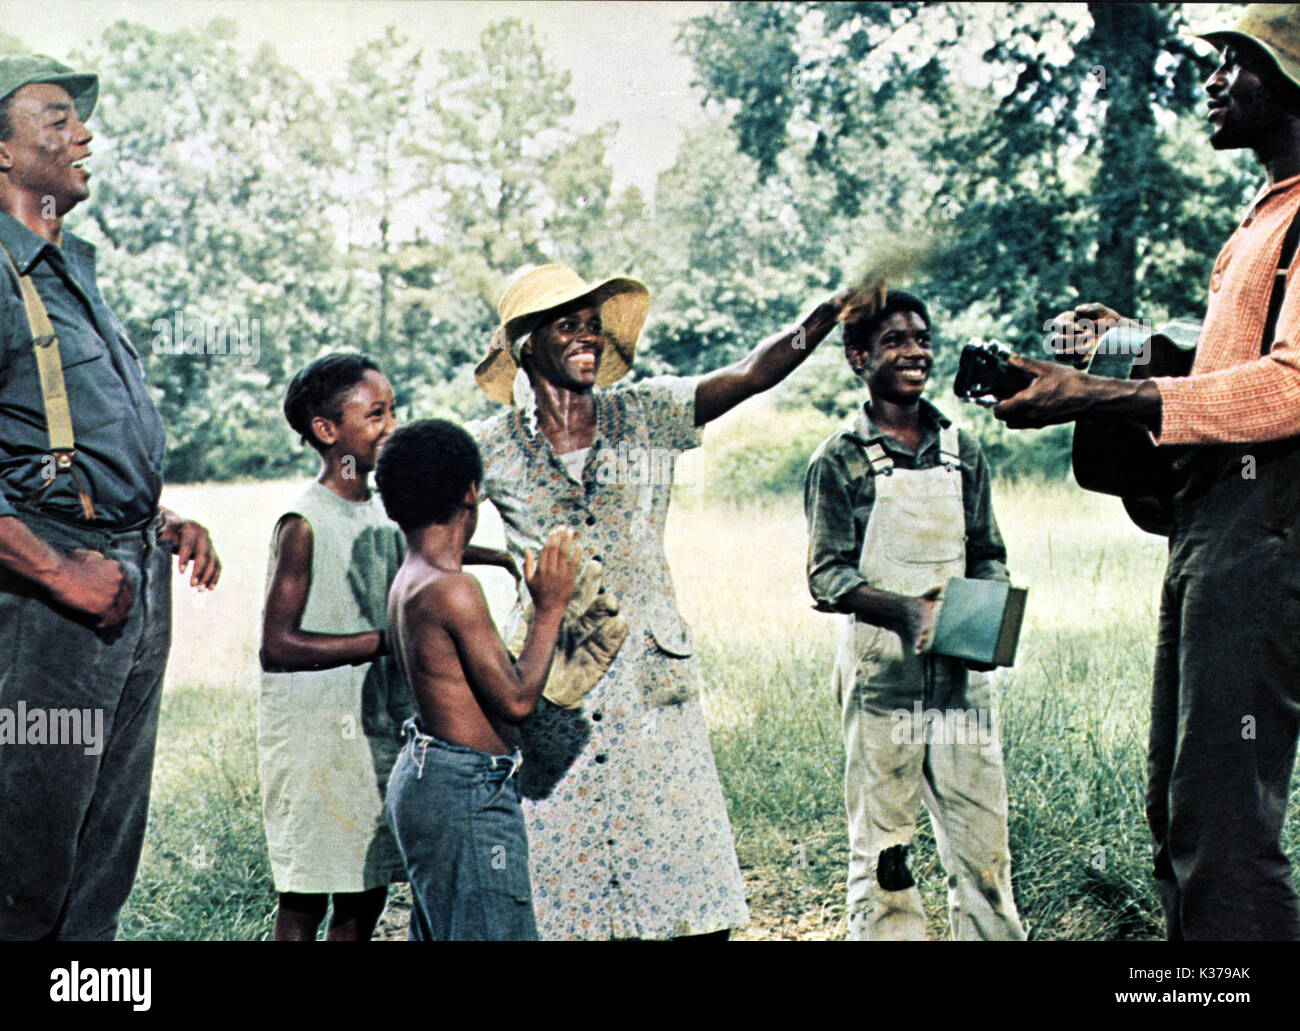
1073 713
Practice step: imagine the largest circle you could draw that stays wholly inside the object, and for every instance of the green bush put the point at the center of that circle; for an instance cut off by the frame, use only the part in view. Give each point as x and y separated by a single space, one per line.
761 451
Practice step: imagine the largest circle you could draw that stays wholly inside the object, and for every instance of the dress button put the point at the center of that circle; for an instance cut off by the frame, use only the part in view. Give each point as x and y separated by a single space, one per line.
609 841
596 558
613 882
600 758
597 715
591 520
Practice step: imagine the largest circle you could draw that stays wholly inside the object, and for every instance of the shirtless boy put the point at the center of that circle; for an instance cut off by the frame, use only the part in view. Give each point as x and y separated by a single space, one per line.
454 794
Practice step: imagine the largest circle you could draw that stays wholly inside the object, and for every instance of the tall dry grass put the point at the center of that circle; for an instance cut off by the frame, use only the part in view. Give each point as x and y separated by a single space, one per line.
1073 714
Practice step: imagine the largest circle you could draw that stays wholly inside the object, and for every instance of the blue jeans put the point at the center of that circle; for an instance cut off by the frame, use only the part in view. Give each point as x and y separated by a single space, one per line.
456 814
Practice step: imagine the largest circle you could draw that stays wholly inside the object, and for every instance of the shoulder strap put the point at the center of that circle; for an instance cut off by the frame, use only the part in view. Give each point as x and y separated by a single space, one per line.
879 459
54 394
950 446
1275 299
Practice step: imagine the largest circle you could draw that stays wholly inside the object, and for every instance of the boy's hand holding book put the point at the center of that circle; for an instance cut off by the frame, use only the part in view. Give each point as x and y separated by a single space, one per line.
920 613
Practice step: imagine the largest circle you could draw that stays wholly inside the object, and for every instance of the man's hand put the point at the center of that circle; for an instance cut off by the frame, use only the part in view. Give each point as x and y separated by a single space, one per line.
1076 333
1056 394
550 578
89 582
1059 394
190 543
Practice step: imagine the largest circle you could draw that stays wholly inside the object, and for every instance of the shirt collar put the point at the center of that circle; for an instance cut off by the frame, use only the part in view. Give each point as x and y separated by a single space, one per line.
1266 191
26 247
868 432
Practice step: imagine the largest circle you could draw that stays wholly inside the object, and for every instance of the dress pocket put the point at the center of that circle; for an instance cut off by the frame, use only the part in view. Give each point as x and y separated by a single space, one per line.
668 677
673 636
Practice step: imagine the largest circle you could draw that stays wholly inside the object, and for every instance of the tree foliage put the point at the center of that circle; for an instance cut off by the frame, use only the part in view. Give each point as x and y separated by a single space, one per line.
1053 151
1052 141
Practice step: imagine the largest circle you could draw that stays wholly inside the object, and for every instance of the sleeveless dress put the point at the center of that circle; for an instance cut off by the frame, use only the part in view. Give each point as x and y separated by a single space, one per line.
327 739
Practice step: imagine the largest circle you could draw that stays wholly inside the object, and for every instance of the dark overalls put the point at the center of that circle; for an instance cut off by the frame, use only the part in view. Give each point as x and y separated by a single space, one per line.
1225 710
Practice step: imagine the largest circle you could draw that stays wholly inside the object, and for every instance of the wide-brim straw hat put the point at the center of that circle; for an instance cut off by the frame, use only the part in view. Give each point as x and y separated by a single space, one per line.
1272 28
532 293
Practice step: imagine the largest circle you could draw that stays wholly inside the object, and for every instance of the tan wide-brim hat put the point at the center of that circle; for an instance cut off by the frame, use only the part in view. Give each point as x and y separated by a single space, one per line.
532 293
1272 28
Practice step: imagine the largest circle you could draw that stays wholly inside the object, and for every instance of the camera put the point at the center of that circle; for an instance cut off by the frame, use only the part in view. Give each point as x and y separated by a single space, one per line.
985 376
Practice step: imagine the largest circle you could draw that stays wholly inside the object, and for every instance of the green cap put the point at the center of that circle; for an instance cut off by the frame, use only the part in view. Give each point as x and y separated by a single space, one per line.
17 72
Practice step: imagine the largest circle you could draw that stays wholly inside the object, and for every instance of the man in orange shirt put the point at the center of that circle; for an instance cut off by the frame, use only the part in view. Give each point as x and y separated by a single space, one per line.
1225 712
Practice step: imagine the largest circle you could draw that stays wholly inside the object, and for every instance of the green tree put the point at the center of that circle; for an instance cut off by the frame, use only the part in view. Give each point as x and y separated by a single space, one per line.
1048 138
516 183
733 256
1053 150
209 211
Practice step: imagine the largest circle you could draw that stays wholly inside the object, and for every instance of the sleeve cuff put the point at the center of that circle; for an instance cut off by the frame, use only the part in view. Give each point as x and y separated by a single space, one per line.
682 390
830 587
1169 410
990 569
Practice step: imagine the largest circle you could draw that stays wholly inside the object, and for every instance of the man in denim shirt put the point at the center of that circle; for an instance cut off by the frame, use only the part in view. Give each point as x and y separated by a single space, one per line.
85 607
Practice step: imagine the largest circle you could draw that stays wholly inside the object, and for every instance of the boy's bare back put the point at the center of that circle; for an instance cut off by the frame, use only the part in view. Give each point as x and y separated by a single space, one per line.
466 687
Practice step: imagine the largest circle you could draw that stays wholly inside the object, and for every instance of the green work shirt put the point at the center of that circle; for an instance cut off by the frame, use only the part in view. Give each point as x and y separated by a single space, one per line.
120 437
839 492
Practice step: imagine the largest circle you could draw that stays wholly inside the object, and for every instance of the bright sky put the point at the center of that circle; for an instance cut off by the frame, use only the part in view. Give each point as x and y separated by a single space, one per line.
623 55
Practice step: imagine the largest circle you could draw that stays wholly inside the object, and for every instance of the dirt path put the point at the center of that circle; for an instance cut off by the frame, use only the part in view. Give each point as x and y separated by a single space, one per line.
778 911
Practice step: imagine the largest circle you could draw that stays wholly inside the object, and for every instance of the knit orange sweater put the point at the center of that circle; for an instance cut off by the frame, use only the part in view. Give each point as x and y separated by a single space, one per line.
1233 394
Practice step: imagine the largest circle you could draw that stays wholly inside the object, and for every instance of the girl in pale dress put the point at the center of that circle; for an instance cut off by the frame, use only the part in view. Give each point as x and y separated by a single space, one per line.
333 701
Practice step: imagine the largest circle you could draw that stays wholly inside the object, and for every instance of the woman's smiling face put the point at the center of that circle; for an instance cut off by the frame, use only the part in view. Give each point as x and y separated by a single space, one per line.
566 348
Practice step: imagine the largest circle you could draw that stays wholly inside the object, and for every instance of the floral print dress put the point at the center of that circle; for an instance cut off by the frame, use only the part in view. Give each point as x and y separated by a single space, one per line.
627 827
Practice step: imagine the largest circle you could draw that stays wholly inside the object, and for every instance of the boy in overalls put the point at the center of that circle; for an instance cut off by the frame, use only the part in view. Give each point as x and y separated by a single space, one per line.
897 504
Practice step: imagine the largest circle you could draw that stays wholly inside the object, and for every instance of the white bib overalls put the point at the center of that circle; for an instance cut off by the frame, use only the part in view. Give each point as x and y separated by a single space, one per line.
919 726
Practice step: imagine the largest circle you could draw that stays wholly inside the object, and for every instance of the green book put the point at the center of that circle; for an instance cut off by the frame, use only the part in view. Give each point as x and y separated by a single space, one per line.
980 620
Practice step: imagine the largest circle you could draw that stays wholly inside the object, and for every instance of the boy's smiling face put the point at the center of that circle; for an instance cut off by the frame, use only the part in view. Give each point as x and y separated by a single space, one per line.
896 364
368 417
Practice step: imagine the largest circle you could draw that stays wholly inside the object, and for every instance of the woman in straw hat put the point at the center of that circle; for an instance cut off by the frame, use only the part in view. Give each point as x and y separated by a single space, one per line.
627 827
